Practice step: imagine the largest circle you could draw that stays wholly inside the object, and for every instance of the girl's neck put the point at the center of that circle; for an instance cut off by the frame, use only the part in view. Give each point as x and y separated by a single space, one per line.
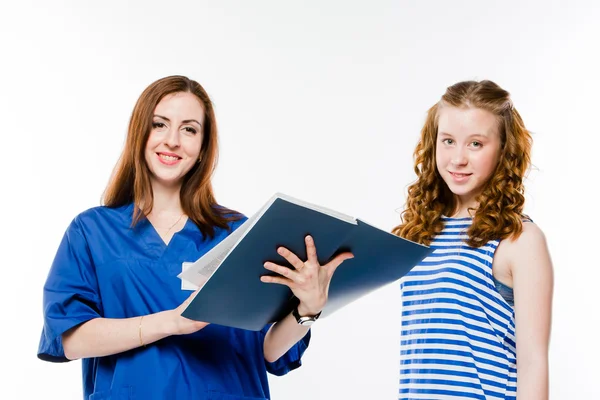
463 213
464 209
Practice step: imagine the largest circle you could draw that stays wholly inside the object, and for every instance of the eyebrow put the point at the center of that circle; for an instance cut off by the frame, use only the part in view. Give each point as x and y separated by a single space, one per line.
185 121
483 135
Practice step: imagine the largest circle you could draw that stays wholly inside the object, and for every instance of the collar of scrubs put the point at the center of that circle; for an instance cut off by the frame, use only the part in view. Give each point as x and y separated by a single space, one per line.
155 245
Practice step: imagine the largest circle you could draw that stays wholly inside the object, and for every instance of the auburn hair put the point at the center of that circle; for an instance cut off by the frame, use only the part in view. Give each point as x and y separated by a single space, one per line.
500 205
130 181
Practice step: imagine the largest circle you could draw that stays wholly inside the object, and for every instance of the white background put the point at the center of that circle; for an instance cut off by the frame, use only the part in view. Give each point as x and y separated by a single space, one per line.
322 100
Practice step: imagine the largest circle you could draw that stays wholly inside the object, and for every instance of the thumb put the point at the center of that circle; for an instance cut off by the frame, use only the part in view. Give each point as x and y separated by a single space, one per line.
193 295
189 299
337 261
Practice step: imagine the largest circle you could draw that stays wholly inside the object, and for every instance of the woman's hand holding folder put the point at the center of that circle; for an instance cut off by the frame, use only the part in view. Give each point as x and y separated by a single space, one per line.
309 281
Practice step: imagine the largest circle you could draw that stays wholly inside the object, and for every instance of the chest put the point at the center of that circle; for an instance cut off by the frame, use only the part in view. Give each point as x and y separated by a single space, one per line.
164 226
454 265
136 271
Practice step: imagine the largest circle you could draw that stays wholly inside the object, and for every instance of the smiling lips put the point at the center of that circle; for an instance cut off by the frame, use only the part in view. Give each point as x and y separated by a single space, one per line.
168 158
460 177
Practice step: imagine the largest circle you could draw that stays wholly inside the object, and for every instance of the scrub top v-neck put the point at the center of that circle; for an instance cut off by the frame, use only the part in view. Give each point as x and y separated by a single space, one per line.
105 268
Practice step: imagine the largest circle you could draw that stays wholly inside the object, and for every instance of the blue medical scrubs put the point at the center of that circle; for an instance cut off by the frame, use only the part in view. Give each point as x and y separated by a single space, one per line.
104 268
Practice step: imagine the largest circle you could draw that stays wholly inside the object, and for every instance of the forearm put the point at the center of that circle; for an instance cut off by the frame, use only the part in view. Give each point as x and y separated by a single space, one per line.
101 337
532 379
282 336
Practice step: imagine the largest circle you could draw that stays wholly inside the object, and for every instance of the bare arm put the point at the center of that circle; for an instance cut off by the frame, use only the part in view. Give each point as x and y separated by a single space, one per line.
282 336
101 337
532 274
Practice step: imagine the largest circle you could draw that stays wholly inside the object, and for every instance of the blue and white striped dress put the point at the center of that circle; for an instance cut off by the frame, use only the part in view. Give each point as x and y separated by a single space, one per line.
458 332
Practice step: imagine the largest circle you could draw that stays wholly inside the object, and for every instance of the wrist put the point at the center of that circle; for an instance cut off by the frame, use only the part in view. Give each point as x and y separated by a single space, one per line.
305 316
167 323
306 311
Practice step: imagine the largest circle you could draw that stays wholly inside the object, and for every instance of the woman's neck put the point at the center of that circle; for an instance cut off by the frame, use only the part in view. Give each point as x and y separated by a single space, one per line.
166 200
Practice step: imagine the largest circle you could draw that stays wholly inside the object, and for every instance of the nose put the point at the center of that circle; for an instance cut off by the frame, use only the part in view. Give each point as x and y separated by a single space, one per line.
459 157
172 139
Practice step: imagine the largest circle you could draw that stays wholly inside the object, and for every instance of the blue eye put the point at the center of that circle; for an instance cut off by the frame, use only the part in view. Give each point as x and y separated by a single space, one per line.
448 141
476 144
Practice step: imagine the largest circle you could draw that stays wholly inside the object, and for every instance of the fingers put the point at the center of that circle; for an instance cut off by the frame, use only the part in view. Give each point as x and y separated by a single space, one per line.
291 258
337 261
187 326
278 280
284 271
311 251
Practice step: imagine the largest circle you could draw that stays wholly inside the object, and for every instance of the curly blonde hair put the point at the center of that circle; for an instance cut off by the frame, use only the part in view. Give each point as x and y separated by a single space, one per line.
501 202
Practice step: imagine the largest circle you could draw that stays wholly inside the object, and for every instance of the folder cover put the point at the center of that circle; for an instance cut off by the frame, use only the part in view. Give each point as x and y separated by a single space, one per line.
232 294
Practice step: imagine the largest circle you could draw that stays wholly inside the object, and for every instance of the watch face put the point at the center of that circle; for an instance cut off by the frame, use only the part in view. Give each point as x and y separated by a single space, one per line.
306 321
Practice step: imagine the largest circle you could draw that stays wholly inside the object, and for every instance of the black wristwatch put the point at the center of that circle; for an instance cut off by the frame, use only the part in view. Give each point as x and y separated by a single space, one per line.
305 320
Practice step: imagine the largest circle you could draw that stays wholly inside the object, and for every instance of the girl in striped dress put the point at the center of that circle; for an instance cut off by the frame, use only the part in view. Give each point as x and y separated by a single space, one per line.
486 289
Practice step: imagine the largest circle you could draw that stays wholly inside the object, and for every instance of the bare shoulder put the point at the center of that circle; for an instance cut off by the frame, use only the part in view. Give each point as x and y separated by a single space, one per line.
513 252
530 250
531 235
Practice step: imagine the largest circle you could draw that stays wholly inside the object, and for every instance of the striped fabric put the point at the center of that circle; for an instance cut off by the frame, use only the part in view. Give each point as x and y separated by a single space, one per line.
458 333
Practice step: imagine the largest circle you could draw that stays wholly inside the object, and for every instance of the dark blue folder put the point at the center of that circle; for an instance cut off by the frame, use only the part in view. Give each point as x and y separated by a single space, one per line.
234 295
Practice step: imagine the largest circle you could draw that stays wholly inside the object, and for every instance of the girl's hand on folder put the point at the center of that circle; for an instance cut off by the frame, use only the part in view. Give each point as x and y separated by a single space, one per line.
309 281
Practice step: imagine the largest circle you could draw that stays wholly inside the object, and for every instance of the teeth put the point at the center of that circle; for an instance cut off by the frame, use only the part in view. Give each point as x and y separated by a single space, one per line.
168 158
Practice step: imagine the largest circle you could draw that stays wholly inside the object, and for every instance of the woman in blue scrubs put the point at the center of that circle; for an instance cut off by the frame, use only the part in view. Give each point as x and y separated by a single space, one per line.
112 297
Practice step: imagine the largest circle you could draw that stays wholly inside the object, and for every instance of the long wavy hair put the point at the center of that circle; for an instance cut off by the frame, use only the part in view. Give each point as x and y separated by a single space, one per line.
130 181
500 211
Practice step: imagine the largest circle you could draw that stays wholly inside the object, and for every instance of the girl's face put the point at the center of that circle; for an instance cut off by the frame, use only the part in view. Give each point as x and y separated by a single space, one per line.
175 140
467 150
